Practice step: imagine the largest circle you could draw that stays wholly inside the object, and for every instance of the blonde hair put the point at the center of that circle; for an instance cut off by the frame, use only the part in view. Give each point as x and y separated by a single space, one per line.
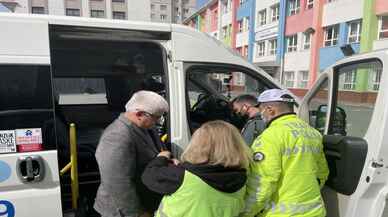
217 142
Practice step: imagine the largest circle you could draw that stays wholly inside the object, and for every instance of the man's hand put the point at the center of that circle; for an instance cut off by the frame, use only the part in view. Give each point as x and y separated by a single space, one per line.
166 154
175 161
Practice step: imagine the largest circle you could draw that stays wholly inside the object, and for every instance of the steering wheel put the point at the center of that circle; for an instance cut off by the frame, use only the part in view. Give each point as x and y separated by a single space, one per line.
210 107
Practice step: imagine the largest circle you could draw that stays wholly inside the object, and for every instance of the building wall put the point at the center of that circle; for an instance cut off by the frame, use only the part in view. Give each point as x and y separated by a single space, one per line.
313 20
158 12
381 7
339 11
134 10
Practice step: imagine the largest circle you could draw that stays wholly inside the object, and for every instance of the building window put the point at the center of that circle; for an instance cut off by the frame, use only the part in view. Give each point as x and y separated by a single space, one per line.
331 1
152 16
118 15
185 11
121 1
383 27
275 13
245 24
163 7
292 43
310 4
152 7
97 13
331 36
240 25
224 32
293 6
375 79
289 79
163 17
303 79
37 10
306 41
73 12
242 2
349 82
262 17
273 45
354 35
245 54
261 48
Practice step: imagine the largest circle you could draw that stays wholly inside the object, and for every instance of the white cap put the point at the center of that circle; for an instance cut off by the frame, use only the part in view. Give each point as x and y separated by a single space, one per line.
275 95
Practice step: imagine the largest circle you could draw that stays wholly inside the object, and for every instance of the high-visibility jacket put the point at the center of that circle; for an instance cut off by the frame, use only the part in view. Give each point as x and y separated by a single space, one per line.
288 171
195 198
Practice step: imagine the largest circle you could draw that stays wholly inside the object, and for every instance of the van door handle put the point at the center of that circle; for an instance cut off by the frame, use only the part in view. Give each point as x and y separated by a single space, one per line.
30 168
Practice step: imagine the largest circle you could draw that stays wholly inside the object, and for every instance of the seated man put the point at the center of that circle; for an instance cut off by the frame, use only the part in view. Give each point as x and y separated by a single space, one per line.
245 106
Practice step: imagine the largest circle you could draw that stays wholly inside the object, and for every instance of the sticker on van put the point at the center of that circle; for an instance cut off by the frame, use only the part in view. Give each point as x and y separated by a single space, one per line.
5 171
29 139
7 209
7 141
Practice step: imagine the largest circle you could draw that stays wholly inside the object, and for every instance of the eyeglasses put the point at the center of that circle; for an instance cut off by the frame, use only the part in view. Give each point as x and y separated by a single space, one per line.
155 117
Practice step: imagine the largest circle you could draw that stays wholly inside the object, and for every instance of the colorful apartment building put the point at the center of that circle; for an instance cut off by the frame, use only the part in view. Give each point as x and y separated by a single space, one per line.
295 40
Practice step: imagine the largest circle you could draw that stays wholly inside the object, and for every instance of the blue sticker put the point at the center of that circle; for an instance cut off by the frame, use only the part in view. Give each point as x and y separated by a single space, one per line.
5 171
9 210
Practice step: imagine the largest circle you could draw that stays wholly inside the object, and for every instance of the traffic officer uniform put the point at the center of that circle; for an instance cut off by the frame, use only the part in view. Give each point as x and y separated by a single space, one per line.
288 170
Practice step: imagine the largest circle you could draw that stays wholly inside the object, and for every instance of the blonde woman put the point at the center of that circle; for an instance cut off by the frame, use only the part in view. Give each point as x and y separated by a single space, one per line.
209 181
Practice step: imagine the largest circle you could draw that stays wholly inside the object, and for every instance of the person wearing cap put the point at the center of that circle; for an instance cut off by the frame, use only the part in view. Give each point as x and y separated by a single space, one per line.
245 107
289 167
126 146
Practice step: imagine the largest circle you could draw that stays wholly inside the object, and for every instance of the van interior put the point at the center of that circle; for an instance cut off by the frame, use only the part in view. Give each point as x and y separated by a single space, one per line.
95 72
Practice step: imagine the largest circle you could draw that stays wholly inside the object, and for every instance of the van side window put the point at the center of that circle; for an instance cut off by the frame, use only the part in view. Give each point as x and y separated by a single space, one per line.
355 97
210 89
26 100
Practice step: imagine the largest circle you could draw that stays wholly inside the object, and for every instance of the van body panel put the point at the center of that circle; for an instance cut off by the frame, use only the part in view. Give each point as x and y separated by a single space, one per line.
32 199
24 38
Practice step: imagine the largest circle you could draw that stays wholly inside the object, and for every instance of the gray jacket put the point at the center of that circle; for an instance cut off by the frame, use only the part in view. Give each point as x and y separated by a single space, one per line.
122 153
252 129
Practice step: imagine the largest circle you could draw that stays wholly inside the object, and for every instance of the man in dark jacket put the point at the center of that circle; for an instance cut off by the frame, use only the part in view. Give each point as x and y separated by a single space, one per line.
127 145
245 106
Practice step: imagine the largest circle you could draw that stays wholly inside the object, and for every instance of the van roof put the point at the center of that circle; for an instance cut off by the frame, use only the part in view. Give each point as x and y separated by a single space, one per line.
90 22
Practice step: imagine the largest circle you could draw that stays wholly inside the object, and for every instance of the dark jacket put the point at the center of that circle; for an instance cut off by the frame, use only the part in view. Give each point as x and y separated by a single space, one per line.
252 129
163 177
122 154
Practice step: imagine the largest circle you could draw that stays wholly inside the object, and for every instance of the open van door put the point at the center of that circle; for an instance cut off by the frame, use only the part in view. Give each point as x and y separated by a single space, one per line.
348 105
29 177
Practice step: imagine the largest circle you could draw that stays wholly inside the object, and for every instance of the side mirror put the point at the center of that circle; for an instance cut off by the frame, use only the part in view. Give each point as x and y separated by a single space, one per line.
339 123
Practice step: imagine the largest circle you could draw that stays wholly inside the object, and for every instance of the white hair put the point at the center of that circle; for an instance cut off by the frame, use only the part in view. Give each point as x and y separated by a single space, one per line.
147 101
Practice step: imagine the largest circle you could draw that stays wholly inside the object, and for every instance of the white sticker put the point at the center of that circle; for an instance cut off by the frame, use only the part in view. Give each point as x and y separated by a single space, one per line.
7 141
28 136
29 139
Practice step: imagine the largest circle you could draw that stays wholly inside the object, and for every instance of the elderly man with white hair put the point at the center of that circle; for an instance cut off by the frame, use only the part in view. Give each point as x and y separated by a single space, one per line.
124 150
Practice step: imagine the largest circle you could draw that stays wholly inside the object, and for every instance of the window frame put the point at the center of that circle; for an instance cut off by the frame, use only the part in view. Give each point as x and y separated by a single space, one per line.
357 36
115 13
293 7
260 52
273 45
98 13
302 80
275 12
262 18
331 36
306 44
381 32
39 9
309 4
293 41
72 10
287 80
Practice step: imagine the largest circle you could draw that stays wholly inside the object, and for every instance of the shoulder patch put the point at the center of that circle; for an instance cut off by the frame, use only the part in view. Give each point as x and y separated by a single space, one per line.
258 156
